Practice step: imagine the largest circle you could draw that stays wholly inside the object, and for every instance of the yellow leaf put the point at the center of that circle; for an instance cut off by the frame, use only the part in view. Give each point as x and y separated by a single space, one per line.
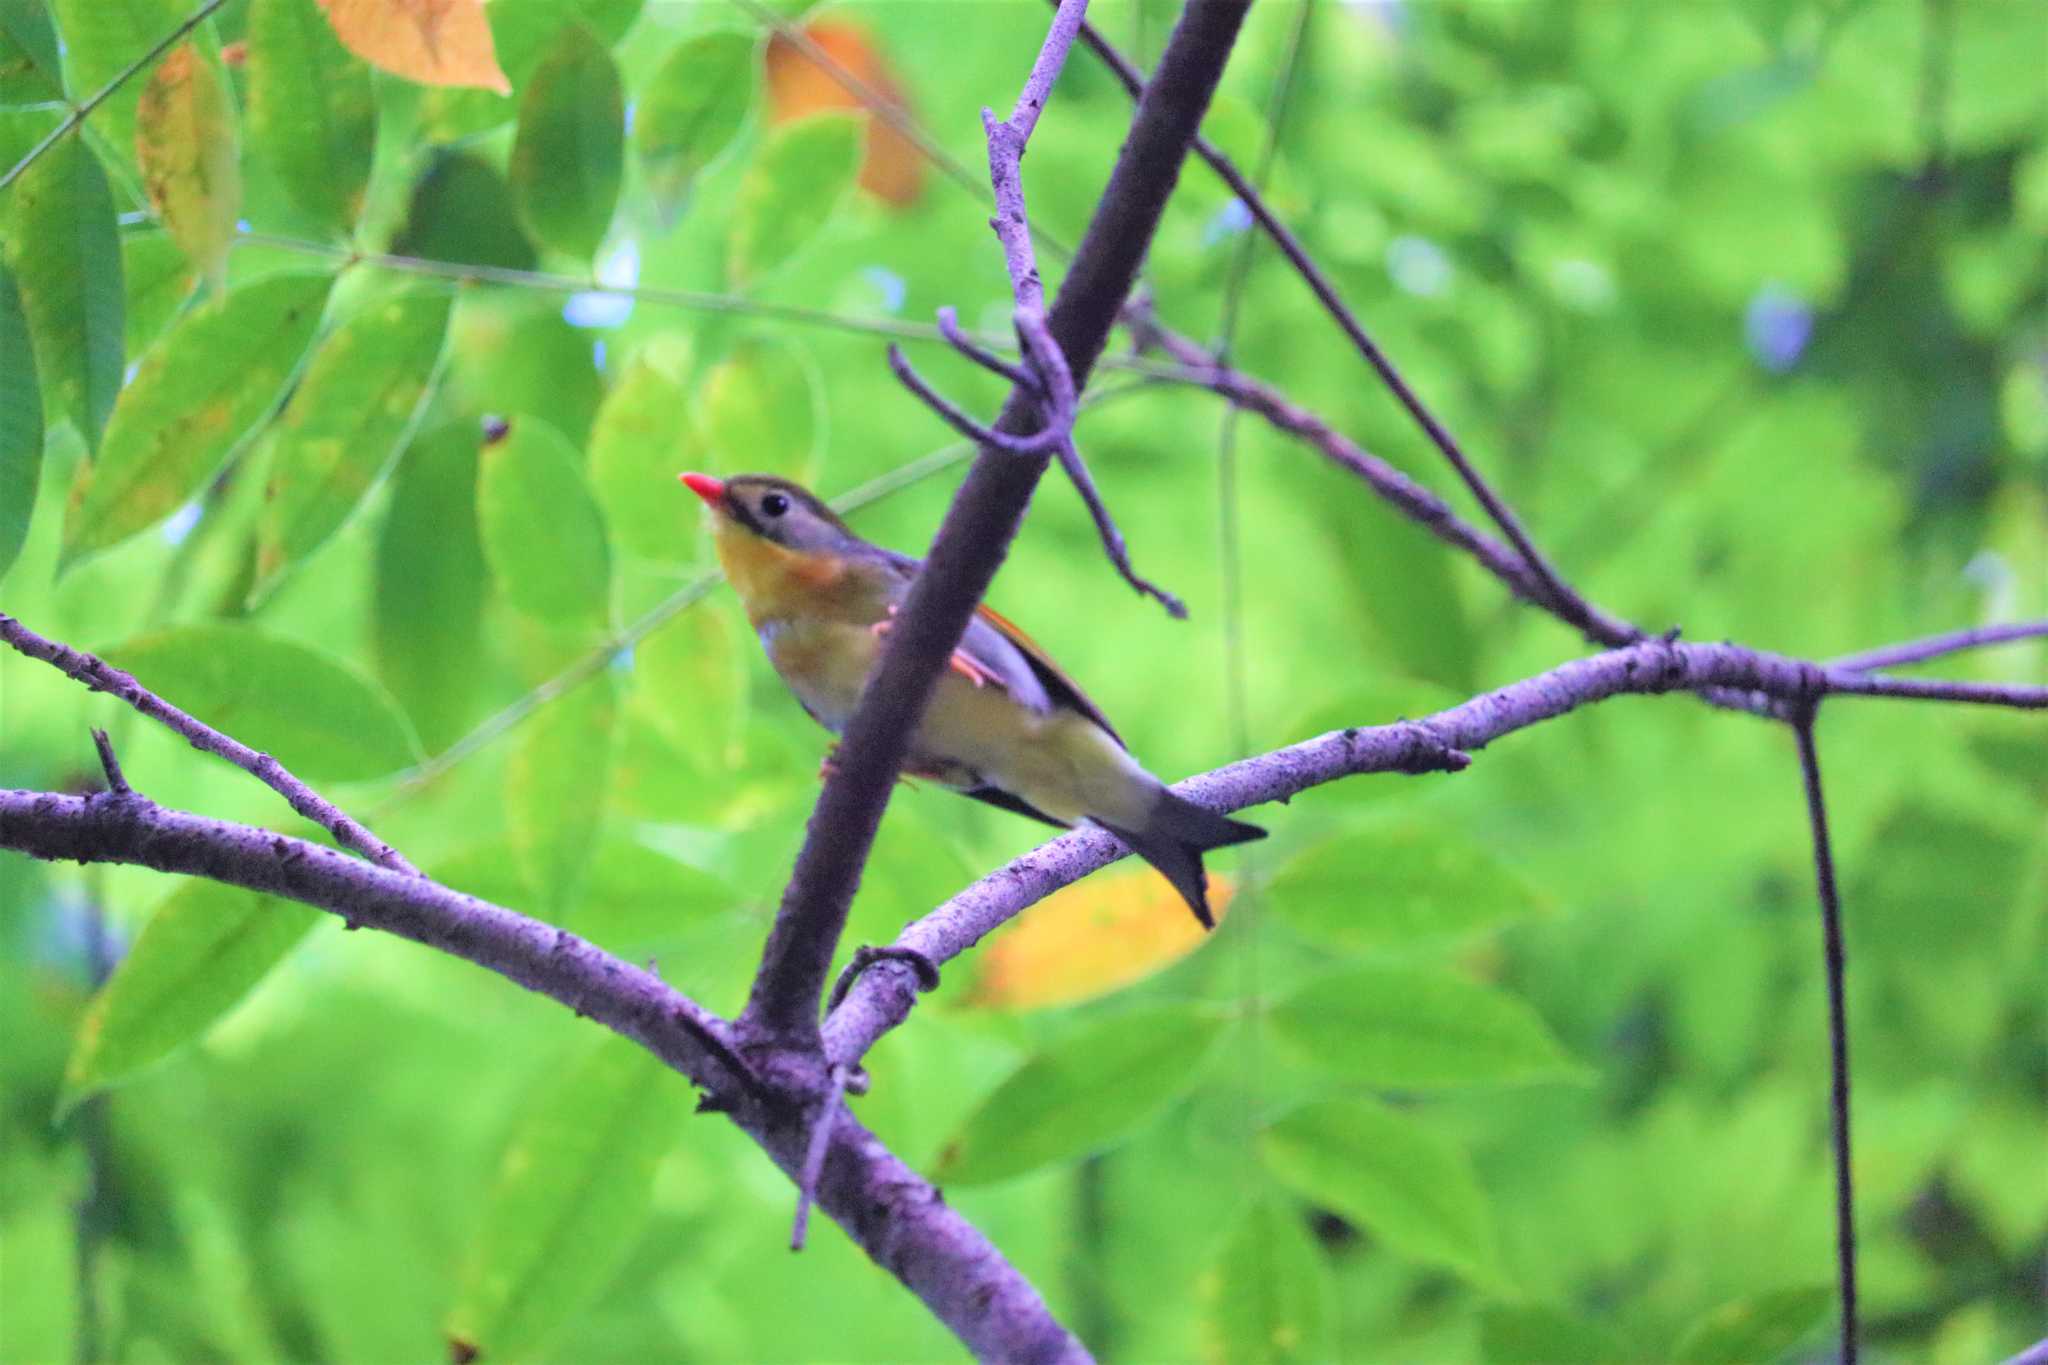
892 168
1099 935
185 145
434 42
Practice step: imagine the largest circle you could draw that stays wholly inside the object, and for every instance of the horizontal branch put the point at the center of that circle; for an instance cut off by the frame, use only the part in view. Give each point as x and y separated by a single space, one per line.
100 676
893 1213
1935 646
884 995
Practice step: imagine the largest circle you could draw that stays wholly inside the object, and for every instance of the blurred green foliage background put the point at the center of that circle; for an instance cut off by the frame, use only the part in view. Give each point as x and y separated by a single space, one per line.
1744 305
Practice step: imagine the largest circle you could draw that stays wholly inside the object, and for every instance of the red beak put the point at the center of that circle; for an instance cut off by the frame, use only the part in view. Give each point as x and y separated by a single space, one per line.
704 486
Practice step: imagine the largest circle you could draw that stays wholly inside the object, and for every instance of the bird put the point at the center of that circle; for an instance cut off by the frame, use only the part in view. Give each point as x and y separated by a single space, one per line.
1005 725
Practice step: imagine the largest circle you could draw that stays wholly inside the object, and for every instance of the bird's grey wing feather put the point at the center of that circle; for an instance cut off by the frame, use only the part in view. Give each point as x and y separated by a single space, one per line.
992 652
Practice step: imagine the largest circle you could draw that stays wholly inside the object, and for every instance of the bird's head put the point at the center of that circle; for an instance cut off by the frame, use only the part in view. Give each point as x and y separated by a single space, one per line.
772 509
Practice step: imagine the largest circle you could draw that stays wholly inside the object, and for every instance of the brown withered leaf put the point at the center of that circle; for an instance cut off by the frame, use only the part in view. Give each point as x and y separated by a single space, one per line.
433 42
892 168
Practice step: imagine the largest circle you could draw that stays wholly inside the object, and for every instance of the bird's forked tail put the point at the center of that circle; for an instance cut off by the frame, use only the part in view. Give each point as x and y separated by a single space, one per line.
1176 834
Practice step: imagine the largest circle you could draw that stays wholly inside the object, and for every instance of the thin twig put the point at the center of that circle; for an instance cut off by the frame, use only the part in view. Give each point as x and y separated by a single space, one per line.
783 1001
117 784
1838 1025
829 1105
1049 437
1403 493
1046 375
949 328
1551 589
100 96
99 676
1113 539
1934 646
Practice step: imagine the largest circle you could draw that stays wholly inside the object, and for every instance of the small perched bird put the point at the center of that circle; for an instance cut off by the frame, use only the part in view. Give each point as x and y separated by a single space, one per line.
1005 725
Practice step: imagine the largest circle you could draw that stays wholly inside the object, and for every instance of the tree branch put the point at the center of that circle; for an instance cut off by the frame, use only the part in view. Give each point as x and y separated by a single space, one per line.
81 111
1934 646
888 1209
1404 494
1838 1025
884 995
975 535
99 676
1553 594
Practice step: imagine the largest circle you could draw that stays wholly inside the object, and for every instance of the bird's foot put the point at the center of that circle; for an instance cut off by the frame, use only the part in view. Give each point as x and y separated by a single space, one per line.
867 956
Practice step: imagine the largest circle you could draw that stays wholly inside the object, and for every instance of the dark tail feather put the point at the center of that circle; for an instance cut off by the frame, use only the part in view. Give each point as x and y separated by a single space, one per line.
1174 840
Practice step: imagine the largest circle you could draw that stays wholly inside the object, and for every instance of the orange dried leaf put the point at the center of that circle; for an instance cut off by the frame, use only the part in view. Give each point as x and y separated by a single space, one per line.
433 42
1097 936
892 168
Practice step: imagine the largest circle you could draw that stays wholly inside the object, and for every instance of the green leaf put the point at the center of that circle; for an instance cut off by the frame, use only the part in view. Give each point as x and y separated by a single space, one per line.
1755 1330
1392 1026
30 68
159 280
689 113
1543 1336
185 143
203 950
362 392
316 715
555 790
193 398
567 160
1934 885
525 30
1385 1172
761 409
21 425
690 682
1386 885
1269 1297
1082 1094
312 110
511 351
102 39
543 534
1423 628
431 585
574 1190
643 437
792 189
632 895
66 258
462 211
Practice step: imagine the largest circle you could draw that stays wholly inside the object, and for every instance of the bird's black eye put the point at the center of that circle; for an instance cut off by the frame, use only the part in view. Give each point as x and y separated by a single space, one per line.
775 504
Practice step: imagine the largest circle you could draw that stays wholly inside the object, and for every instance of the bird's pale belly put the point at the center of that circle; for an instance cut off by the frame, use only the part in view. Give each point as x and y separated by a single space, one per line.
971 736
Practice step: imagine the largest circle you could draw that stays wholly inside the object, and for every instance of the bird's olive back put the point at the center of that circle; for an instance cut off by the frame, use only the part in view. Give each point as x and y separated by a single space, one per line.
778 510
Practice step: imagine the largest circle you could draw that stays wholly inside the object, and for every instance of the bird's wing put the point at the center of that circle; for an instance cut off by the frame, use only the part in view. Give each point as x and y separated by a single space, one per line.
1062 690
1015 662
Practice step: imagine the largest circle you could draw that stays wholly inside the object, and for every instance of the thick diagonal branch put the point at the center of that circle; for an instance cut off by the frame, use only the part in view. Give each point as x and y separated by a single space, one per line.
976 534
